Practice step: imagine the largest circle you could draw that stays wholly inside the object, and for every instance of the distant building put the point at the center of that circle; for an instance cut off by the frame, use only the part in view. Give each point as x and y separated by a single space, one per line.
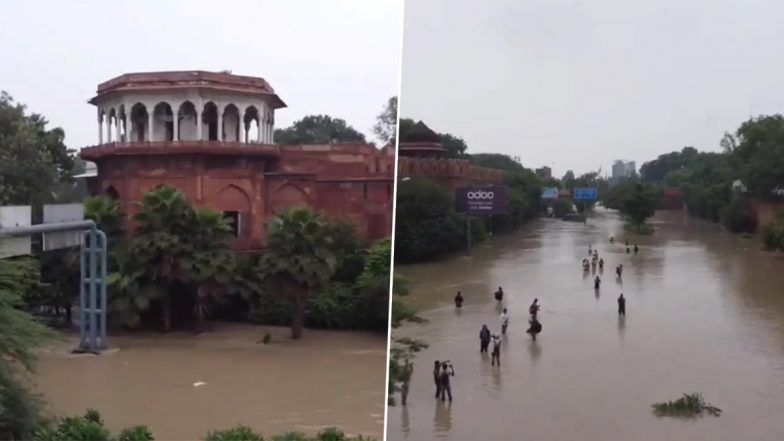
623 169
544 172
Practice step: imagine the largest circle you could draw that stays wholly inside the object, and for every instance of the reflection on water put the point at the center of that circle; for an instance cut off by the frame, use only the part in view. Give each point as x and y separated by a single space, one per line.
706 314
325 379
443 417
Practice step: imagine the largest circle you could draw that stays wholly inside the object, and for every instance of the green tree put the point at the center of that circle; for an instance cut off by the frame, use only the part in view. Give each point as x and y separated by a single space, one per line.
299 260
568 180
426 224
318 129
209 262
159 243
386 122
401 367
455 146
638 202
497 160
760 153
106 214
34 160
20 337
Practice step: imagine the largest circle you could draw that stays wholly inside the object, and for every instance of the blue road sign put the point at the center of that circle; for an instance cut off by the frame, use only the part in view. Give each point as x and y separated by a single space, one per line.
585 194
549 192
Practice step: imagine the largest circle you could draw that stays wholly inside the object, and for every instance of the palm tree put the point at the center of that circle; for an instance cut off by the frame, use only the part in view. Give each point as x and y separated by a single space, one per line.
210 262
106 214
298 259
165 218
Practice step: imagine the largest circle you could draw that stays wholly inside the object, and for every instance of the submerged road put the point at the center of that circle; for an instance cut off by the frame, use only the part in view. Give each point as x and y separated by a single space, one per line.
705 313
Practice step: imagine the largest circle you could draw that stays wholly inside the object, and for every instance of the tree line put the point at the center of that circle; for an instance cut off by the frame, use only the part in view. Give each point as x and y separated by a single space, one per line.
720 186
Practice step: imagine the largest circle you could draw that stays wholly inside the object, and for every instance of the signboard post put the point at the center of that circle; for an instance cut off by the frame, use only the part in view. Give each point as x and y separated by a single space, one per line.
480 200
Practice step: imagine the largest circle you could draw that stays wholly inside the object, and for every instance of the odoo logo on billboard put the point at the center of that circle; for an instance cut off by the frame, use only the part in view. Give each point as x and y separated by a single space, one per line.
481 200
479 194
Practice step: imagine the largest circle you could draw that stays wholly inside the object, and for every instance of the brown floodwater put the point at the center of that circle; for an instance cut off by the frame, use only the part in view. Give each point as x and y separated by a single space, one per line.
325 379
705 313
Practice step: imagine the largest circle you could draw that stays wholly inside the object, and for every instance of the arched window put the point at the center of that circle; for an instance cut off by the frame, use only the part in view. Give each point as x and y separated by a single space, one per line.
232 129
187 123
139 121
162 123
111 193
209 119
252 123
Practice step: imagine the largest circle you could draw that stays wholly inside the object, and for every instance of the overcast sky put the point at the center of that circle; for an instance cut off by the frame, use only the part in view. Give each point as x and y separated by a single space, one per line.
578 84
335 57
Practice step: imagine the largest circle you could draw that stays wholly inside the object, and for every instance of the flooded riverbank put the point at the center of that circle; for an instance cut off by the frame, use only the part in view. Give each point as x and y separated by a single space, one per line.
325 379
705 313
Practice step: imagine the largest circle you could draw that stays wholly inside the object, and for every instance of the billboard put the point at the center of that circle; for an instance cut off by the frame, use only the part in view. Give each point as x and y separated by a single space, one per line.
550 193
481 200
54 213
586 194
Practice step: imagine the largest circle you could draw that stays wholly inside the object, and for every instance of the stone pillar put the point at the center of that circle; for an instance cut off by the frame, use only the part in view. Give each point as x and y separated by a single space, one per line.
128 137
109 130
263 128
176 124
260 131
198 125
220 125
271 130
100 129
149 125
117 127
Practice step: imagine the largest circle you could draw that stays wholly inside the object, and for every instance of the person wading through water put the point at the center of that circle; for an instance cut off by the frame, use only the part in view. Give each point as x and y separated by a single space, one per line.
496 350
437 377
534 308
446 371
499 295
596 283
484 339
459 300
622 305
504 321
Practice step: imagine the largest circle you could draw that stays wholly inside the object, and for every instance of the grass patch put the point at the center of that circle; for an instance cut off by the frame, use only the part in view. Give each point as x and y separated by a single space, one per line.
687 406
746 236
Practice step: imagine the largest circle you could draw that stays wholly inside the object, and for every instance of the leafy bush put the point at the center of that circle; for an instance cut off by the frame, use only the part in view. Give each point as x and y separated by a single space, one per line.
737 216
689 405
136 433
426 224
85 428
773 234
239 433
562 207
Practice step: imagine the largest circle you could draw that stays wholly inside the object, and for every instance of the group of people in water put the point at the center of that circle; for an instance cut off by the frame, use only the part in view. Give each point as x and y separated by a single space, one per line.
443 370
618 272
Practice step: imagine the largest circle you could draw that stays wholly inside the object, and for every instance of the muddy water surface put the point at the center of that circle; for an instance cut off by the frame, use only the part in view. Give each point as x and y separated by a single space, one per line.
705 313
324 379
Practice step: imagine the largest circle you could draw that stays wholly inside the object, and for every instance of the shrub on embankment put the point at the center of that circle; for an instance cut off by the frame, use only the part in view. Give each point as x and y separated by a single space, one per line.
90 427
773 234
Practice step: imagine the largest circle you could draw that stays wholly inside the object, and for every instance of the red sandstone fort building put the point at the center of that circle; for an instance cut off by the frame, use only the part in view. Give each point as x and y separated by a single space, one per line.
210 135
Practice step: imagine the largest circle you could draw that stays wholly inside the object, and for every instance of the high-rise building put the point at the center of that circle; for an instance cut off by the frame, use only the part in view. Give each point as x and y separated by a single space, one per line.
544 172
623 169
